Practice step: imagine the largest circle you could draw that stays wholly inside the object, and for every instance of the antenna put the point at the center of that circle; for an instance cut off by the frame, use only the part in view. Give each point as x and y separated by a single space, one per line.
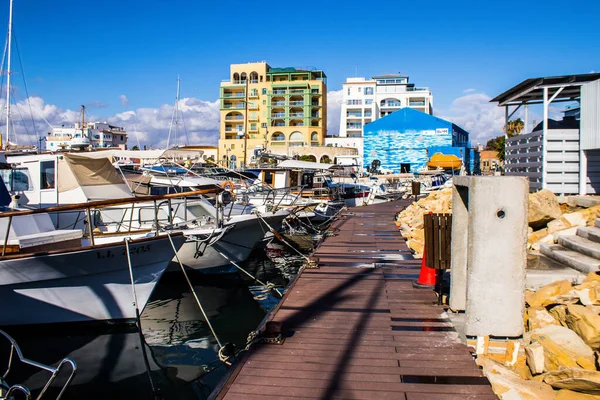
8 74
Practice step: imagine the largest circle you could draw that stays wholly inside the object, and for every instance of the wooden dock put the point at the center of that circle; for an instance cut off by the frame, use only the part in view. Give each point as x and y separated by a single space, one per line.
355 328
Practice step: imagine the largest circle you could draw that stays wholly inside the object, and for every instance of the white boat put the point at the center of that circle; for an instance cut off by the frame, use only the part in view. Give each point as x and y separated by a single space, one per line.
51 276
51 179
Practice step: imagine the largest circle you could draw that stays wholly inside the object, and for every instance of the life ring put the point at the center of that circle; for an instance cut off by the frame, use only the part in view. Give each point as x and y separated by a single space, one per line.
228 185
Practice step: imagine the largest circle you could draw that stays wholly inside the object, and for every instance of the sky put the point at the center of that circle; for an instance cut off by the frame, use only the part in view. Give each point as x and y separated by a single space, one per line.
122 59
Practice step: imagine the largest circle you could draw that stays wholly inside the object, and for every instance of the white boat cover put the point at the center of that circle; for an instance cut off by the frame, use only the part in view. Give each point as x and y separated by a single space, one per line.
304 165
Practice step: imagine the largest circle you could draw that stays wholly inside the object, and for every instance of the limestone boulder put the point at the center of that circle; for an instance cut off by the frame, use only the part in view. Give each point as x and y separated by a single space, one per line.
589 290
590 214
585 323
575 379
561 347
546 295
565 394
508 385
560 314
539 317
566 221
543 208
535 358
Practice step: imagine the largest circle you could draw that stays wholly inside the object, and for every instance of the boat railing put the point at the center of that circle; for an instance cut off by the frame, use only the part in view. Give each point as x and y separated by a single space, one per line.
15 353
157 202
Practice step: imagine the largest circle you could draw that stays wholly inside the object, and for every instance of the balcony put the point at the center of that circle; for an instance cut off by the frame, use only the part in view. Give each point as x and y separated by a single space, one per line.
234 118
235 94
353 126
296 103
278 115
278 103
278 143
354 115
253 106
315 115
253 116
297 115
354 102
253 94
296 122
238 106
278 91
416 103
279 123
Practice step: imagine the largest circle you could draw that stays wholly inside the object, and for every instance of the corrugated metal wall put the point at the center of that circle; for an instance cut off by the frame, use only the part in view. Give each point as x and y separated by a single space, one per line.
590 116
524 158
593 171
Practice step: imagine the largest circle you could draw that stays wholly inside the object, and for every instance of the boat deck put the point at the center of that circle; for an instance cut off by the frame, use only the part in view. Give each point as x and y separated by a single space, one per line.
355 328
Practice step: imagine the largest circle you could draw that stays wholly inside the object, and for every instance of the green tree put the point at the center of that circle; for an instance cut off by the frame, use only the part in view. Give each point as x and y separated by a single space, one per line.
325 160
135 147
513 128
307 158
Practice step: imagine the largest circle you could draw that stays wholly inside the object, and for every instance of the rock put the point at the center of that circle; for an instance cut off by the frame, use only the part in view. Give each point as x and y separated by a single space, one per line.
537 235
566 232
548 239
565 394
505 382
539 317
567 221
589 290
543 294
590 214
535 358
575 379
543 208
585 323
562 348
560 314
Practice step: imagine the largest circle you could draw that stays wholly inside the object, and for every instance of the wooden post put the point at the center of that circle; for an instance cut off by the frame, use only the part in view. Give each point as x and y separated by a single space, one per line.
90 228
6 237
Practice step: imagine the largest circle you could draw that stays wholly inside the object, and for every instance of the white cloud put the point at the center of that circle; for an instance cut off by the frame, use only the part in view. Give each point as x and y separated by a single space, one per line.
475 114
469 90
124 100
198 123
334 107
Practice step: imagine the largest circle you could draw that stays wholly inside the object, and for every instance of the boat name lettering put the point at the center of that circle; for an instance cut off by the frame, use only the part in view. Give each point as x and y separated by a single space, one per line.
138 249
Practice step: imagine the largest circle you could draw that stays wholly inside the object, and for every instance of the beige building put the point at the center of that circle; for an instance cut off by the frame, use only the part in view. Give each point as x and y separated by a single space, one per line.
282 110
489 161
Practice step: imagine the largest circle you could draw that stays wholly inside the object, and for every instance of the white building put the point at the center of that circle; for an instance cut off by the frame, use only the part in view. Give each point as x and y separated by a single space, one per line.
365 100
94 134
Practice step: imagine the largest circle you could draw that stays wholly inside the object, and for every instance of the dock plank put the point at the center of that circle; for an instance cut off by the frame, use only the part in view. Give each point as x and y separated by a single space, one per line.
355 328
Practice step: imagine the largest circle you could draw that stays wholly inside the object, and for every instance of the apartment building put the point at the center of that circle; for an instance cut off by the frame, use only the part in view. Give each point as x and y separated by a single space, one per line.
94 134
280 110
366 100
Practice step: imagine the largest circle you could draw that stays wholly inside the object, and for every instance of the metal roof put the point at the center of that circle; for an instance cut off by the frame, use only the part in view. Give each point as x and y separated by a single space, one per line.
531 90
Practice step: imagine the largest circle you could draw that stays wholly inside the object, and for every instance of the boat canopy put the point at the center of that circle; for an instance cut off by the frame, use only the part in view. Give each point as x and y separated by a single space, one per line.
297 164
97 178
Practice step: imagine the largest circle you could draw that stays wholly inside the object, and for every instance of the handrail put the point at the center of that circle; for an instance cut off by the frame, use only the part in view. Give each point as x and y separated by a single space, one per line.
107 203
53 370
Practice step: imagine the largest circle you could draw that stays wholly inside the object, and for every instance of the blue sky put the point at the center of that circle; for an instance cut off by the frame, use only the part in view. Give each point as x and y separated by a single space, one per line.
78 52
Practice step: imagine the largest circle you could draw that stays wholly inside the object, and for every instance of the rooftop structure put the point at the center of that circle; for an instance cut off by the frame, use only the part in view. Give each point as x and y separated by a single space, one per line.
562 156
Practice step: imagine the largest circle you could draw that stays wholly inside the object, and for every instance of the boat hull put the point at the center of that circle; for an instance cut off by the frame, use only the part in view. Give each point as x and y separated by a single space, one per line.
91 284
236 245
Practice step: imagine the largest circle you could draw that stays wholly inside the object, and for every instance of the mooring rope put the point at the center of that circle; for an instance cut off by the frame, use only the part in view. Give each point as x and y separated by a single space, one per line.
222 356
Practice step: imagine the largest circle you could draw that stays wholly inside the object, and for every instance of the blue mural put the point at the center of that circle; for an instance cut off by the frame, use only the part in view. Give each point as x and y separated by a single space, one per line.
408 136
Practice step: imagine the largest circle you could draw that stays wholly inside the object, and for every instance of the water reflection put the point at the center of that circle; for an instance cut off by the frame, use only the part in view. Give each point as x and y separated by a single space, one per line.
180 351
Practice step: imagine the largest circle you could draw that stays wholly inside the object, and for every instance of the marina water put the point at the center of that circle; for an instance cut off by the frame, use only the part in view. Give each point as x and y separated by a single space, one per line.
178 356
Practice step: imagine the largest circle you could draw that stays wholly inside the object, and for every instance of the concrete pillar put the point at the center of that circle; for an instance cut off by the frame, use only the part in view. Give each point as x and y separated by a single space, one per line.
460 225
496 253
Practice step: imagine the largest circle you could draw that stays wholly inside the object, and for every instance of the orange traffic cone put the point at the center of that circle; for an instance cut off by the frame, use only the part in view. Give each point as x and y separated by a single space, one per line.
427 277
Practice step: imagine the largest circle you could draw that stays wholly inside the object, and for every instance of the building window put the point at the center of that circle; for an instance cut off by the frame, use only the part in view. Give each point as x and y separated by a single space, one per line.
368 90
122 138
348 91
369 101
232 146
264 124
264 91
359 89
47 175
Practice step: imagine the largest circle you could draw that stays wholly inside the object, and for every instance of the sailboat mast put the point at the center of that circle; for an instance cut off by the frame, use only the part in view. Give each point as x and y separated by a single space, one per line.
177 109
10 15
